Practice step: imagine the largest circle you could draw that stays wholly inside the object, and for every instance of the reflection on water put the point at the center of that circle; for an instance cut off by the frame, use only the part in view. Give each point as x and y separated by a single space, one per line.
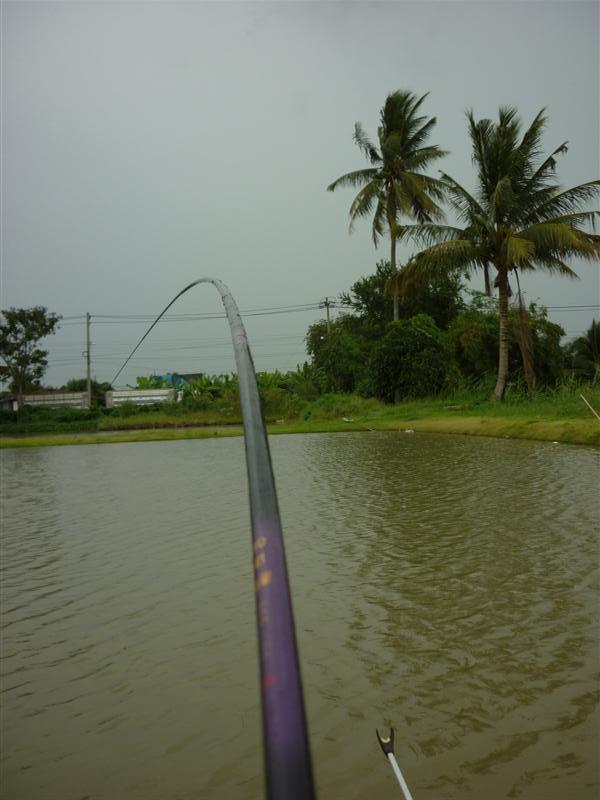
446 585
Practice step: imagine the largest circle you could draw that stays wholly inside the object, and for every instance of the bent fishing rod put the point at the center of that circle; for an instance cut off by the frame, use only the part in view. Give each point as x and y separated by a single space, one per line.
287 759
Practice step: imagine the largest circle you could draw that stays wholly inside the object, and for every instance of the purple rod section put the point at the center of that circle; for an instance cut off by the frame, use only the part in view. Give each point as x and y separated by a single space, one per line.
286 750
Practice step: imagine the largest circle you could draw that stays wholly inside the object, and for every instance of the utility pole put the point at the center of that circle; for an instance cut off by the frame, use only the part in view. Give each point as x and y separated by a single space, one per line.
327 304
88 358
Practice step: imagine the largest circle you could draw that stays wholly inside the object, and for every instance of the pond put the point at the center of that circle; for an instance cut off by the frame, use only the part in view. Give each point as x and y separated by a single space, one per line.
445 585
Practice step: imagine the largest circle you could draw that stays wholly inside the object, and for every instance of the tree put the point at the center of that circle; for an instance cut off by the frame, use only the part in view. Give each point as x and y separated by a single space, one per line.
440 298
340 354
412 360
474 341
395 185
583 353
368 298
20 331
518 218
80 385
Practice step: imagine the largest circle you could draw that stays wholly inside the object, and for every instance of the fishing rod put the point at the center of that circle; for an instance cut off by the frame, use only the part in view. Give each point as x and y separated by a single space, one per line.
288 767
387 745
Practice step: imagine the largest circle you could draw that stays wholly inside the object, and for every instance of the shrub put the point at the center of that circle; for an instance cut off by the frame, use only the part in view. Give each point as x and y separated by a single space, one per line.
334 406
412 360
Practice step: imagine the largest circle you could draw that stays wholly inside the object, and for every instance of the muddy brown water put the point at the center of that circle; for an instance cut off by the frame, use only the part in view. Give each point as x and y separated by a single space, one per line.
446 585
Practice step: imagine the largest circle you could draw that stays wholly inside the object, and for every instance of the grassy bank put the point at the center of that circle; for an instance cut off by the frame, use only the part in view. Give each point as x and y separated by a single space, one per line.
554 416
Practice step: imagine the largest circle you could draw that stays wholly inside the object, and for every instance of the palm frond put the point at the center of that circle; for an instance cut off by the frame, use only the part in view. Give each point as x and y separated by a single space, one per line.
447 256
530 147
502 199
430 233
577 218
417 102
546 169
423 156
517 251
362 204
551 264
392 148
399 110
507 116
379 220
438 260
416 139
359 177
479 132
433 187
420 198
556 237
564 202
363 141
461 199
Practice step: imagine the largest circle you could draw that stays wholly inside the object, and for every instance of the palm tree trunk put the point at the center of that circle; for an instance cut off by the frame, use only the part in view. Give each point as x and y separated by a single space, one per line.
524 338
393 263
486 277
503 354
396 298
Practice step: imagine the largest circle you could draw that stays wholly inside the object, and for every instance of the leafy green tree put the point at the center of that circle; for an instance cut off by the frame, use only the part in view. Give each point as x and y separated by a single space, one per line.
474 339
548 354
395 185
340 354
368 298
583 353
440 298
518 218
20 332
80 385
412 360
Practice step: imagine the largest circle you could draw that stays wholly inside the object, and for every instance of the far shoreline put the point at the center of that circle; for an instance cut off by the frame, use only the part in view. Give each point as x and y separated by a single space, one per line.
575 431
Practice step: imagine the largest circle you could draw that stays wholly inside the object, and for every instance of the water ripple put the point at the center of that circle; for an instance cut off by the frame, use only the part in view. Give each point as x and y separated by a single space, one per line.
446 585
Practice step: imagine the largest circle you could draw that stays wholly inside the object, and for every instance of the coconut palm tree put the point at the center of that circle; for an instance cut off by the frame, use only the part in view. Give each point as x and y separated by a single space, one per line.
395 185
519 217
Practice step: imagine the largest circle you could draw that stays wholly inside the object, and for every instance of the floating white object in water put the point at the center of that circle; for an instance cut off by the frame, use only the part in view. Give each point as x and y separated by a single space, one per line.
408 430
345 419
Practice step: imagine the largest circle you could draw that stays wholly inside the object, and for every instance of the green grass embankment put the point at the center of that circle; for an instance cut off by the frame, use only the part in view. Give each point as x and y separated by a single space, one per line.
554 416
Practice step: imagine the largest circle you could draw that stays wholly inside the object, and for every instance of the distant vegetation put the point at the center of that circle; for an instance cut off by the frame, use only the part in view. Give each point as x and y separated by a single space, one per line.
407 331
516 219
445 341
444 345
24 362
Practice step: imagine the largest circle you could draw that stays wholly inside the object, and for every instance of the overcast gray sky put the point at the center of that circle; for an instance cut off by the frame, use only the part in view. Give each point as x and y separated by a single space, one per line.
147 144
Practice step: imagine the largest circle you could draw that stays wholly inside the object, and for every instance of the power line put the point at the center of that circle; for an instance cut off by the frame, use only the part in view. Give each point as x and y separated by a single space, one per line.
140 318
195 315
171 345
572 308
135 318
